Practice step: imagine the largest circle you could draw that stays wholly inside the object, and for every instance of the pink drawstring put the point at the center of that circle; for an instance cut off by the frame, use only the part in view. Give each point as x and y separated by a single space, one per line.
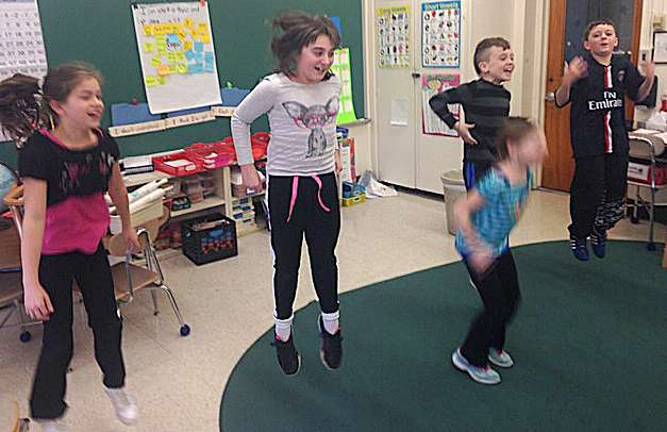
295 194
319 194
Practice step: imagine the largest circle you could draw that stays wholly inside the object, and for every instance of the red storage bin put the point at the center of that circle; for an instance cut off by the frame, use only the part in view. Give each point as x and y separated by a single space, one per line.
211 156
194 166
260 144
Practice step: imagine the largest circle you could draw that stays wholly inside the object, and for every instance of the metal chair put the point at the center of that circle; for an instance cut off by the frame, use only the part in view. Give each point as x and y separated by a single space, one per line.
643 147
128 276
11 287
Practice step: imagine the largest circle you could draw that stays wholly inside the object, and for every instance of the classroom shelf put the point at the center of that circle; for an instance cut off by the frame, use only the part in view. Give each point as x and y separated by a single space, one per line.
207 203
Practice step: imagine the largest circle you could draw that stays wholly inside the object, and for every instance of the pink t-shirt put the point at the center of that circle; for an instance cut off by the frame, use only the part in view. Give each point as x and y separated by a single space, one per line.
77 216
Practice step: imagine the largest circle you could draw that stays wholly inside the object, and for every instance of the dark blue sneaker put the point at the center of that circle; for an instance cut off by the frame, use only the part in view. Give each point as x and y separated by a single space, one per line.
599 243
579 249
289 358
331 347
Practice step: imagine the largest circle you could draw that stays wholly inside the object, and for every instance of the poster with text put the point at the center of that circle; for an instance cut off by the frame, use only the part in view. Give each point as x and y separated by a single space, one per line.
433 84
393 30
175 46
441 34
21 41
342 69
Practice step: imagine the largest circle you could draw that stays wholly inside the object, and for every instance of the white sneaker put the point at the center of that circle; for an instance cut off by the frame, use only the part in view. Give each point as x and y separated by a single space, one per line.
51 425
500 358
125 405
482 375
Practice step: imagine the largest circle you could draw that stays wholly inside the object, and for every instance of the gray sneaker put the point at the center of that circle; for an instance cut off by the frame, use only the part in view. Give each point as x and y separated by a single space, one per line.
124 405
55 425
500 358
482 375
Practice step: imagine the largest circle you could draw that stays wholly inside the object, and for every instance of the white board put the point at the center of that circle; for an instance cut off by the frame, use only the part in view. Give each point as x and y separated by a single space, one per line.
177 57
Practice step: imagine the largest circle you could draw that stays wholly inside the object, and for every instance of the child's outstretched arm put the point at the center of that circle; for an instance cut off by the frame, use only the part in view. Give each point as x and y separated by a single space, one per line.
481 257
36 300
118 194
576 70
439 104
645 88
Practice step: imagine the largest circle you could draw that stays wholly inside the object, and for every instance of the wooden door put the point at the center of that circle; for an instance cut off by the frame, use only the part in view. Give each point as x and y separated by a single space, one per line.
559 167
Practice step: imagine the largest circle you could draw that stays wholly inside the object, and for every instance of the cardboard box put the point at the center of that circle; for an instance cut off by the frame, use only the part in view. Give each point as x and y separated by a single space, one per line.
347 155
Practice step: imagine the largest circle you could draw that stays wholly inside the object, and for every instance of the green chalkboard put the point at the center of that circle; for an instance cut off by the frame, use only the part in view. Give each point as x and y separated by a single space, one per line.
101 32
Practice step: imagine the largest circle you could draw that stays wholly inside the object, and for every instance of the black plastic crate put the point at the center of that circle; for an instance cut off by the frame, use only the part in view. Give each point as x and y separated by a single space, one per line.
209 238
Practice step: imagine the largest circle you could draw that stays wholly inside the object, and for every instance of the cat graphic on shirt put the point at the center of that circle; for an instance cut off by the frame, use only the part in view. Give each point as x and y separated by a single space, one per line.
314 118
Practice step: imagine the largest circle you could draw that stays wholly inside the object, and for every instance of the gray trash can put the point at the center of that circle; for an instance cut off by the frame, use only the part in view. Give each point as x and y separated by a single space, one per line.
454 188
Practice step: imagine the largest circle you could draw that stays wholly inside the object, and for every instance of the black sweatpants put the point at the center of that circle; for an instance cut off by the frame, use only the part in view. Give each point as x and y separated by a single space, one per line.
597 193
499 289
93 276
321 229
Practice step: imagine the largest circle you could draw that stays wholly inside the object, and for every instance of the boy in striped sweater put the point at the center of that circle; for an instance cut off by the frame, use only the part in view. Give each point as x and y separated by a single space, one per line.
486 104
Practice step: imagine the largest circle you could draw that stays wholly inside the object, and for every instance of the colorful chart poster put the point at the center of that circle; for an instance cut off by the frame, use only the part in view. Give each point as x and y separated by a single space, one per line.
393 30
175 45
441 34
433 84
342 69
21 41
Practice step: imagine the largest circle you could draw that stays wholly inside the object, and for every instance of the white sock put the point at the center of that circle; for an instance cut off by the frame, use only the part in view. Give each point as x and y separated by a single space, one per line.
330 321
284 328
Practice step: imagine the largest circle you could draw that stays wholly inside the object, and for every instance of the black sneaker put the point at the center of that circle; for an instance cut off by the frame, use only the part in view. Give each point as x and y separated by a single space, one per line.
599 243
289 358
579 249
331 347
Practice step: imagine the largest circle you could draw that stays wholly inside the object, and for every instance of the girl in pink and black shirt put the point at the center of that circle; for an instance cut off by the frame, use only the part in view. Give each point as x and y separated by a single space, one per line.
66 170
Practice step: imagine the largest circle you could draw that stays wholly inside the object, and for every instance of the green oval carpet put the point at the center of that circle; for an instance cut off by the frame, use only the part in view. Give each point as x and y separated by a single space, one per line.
589 342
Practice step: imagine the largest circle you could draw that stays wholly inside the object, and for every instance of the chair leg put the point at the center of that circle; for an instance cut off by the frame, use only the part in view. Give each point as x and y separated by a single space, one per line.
23 320
156 310
173 303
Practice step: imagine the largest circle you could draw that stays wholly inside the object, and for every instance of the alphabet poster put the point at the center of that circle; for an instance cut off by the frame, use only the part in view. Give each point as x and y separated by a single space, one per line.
393 29
441 34
175 45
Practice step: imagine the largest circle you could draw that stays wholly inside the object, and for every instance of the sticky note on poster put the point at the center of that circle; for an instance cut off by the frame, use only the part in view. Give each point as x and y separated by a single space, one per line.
152 81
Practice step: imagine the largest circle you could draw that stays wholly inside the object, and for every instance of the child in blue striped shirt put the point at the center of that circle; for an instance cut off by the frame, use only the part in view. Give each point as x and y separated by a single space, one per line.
485 219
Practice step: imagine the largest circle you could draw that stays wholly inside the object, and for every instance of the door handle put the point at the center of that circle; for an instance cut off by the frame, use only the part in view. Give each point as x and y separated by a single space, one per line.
550 97
416 75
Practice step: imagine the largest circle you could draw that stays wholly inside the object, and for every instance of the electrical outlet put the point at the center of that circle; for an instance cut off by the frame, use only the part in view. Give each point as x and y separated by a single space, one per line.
645 55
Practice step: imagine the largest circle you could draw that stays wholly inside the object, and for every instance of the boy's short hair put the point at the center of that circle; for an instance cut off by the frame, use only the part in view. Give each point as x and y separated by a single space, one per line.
591 25
482 50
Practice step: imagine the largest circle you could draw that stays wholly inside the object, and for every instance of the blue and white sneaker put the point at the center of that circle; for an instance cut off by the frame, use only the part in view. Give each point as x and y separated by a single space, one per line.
482 375
579 249
500 358
599 243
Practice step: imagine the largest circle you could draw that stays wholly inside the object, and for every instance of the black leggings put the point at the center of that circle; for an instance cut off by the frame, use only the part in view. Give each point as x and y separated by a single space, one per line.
321 229
93 276
499 289
597 193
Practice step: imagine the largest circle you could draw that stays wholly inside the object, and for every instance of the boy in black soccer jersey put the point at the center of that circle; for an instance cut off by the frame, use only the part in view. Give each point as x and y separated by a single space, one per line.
486 104
596 84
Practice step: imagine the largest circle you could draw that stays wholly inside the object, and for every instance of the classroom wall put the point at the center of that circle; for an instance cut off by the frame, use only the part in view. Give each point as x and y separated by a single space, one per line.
242 53
517 20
